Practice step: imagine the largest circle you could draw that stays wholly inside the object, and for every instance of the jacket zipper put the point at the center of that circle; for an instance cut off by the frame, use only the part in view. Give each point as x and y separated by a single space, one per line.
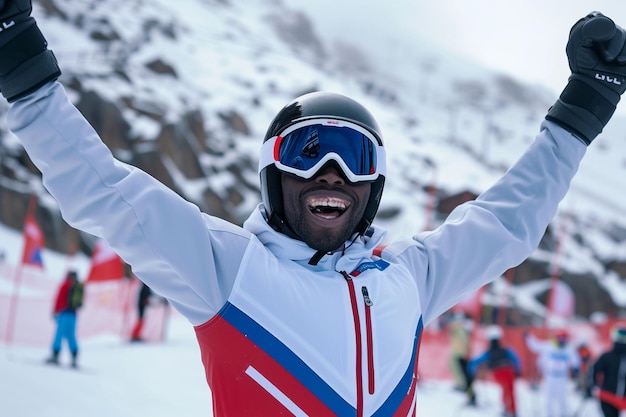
359 342
370 342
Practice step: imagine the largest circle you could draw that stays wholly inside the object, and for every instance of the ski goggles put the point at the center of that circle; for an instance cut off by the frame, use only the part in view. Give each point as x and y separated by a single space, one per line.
305 147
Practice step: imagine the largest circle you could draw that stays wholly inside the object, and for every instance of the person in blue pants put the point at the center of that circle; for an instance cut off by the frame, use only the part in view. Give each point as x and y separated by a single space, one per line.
68 300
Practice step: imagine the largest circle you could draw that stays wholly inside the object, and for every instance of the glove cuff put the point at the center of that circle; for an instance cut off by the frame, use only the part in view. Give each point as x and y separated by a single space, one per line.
584 107
26 63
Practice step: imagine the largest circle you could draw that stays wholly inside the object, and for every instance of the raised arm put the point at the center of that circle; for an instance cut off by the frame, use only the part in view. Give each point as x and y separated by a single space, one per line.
187 256
503 226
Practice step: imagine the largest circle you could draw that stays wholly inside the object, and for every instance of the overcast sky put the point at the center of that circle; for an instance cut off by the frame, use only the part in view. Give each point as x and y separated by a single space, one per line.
523 38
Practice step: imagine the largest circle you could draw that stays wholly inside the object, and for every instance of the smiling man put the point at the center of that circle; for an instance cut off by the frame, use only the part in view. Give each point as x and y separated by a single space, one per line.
322 170
307 309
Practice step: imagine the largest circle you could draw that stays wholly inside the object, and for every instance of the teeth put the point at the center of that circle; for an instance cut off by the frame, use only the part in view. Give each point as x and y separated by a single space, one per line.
334 203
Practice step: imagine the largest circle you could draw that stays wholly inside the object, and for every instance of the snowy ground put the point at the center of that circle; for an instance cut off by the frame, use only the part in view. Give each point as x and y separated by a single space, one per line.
117 378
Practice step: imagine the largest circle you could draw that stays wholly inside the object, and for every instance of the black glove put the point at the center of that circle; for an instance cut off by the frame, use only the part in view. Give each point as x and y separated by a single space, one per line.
597 58
25 62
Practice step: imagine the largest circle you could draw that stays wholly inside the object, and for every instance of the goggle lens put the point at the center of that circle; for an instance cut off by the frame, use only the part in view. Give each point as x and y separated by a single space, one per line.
306 147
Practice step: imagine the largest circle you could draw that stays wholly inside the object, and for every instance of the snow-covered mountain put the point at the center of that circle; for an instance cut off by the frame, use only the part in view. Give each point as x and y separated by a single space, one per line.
185 90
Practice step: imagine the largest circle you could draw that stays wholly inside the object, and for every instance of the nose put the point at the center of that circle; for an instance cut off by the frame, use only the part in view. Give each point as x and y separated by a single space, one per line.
330 175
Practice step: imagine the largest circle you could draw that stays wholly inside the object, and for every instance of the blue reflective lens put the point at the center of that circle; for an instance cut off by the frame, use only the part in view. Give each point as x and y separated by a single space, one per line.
305 147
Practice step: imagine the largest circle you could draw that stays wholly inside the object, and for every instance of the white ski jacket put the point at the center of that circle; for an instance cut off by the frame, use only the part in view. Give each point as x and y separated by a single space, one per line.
277 335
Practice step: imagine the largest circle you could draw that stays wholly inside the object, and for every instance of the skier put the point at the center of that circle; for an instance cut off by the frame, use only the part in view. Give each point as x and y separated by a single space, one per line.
459 330
609 374
143 300
68 300
503 363
557 363
586 358
306 309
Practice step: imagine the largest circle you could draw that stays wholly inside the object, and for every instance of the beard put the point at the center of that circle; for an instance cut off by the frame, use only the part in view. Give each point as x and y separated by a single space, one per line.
320 239
324 213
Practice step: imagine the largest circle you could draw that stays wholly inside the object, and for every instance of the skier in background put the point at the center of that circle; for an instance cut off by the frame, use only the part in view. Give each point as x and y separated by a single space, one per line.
143 301
459 331
68 300
271 301
586 360
558 363
609 374
504 365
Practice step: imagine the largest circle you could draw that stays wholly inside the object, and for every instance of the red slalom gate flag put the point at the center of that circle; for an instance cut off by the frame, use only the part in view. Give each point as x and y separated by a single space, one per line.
33 242
106 265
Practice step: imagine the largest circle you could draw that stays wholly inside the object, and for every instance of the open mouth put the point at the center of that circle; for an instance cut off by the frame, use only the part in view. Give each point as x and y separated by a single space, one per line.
327 207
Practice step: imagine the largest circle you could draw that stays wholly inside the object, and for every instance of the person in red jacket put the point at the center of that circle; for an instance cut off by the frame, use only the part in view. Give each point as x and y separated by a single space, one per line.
68 300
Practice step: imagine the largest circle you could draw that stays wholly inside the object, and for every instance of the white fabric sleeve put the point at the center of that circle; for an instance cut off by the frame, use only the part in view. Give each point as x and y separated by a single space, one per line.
188 257
481 239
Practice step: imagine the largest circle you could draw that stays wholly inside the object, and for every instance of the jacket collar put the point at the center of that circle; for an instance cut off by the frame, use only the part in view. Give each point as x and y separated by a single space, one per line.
284 247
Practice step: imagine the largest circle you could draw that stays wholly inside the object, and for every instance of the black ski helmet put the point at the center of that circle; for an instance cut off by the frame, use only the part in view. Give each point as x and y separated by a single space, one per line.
316 105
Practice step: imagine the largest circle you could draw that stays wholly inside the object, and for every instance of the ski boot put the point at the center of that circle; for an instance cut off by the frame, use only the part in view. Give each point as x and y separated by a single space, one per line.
54 359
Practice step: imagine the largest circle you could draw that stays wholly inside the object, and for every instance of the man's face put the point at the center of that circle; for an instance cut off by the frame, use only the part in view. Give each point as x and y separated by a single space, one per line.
324 210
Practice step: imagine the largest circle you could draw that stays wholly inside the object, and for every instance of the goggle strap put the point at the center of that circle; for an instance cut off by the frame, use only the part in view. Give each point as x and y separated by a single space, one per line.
268 154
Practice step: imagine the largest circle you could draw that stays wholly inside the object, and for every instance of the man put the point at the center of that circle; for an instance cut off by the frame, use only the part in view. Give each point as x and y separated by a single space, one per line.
460 336
68 300
504 365
301 310
609 374
557 363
